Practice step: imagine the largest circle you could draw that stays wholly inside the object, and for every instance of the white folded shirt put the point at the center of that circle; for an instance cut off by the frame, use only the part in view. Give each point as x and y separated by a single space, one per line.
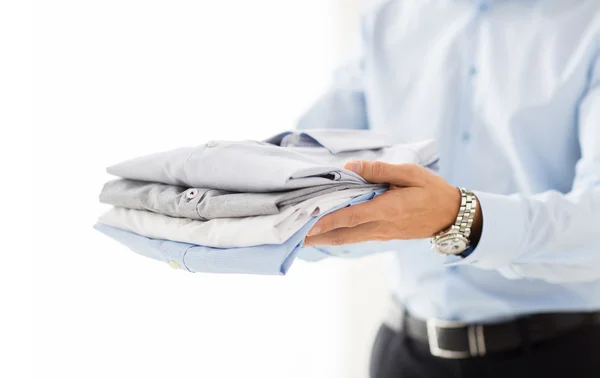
228 232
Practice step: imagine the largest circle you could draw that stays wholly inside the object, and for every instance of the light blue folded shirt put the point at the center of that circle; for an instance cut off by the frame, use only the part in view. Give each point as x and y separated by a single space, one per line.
273 259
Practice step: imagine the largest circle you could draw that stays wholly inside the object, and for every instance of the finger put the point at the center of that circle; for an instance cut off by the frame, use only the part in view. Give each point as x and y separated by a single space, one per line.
396 174
347 235
347 217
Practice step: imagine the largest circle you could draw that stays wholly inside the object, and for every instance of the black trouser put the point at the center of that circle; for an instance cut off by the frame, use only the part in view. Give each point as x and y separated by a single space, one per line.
574 355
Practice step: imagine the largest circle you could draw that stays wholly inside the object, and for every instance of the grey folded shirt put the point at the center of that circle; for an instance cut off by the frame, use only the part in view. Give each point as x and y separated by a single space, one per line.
252 166
205 204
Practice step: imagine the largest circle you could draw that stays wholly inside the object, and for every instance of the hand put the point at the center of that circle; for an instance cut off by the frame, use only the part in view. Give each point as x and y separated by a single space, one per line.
419 204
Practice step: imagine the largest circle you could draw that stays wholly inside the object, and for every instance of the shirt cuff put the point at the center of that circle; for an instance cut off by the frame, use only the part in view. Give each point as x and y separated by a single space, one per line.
504 225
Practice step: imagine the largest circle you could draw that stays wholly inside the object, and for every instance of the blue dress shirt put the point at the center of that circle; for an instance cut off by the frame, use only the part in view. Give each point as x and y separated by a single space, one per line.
510 89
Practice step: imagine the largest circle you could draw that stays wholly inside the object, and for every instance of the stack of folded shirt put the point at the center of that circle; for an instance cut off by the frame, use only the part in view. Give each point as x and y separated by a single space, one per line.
244 207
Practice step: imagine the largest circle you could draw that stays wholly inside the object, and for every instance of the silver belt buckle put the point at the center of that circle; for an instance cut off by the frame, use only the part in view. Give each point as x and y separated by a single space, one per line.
474 334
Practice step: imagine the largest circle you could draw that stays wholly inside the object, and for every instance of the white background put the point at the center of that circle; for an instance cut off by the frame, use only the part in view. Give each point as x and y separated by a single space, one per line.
114 79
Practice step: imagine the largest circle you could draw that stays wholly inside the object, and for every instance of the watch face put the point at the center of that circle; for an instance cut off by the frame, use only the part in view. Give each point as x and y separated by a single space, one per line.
452 244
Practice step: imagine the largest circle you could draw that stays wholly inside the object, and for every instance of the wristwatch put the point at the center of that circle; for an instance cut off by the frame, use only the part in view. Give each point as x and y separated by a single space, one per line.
455 240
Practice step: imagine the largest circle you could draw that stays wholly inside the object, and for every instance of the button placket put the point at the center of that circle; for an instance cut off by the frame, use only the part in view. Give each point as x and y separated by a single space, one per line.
463 133
473 78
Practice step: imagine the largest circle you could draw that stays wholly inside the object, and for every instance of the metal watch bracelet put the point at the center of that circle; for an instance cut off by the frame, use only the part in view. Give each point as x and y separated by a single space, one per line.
466 213
455 240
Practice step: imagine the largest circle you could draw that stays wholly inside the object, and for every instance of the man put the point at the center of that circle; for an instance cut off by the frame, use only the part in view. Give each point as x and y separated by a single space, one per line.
510 89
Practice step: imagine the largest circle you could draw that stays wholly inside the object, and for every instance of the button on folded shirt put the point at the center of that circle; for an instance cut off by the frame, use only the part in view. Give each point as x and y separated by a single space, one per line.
246 206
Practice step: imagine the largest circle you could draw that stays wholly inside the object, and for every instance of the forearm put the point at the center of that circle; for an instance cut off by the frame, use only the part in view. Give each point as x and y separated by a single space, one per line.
550 236
343 105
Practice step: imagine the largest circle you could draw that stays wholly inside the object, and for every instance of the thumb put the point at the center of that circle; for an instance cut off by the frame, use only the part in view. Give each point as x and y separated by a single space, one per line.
395 174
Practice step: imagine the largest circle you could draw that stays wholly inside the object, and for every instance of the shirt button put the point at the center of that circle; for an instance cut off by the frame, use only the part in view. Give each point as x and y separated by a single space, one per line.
191 193
472 71
173 264
212 144
466 136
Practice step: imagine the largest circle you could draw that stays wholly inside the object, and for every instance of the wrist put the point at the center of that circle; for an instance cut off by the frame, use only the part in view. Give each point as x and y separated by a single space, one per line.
450 211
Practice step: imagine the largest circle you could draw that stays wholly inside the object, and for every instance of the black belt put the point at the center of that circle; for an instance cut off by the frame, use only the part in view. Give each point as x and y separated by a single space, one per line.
461 340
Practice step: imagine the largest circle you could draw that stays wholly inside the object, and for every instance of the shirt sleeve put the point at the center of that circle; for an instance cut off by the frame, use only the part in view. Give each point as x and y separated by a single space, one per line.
550 236
343 105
